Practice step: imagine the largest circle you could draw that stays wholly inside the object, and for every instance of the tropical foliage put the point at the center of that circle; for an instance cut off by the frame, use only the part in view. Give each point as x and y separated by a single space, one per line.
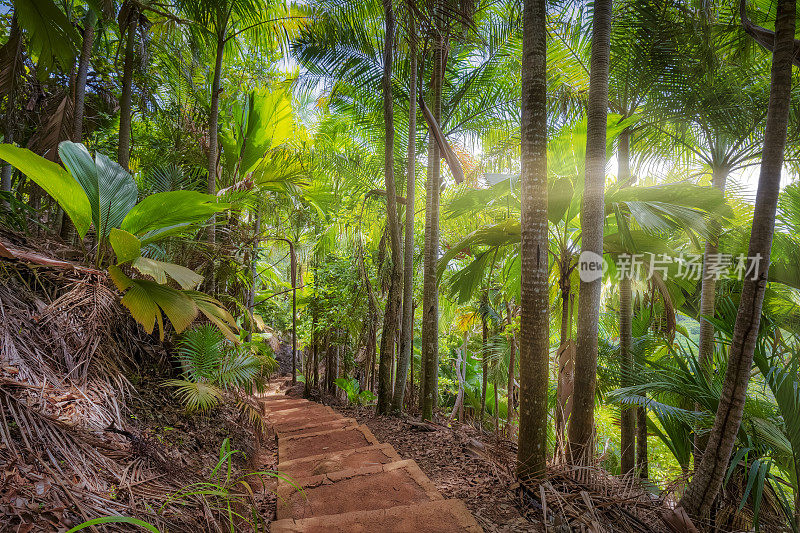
405 190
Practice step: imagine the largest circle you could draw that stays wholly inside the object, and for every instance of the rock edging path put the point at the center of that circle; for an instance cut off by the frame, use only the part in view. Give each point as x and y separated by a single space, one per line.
348 481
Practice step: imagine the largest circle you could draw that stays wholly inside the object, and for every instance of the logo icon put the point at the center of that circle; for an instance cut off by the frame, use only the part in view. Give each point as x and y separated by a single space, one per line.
590 266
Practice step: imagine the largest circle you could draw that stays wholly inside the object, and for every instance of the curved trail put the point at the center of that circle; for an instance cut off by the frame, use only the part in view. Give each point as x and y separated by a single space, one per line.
349 481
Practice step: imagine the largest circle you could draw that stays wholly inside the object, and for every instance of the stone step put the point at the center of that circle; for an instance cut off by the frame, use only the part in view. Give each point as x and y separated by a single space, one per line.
360 489
316 465
442 516
300 412
316 427
289 404
272 398
337 440
301 420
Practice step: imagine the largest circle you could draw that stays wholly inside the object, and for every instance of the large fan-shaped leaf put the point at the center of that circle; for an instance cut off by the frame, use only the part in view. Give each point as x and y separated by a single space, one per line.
126 246
112 192
117 193
159 270
167 213
55 181
52 38
504 233
146 299
217 314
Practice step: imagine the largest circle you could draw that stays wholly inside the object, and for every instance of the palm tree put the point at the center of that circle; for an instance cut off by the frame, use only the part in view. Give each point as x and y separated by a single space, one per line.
216 24
131 19
392 312
535 325
706 483
430 295
89 23
635 68
407 338
581 425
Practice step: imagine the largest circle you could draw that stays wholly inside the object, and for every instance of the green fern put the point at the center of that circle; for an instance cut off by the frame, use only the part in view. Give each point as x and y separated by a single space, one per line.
213 366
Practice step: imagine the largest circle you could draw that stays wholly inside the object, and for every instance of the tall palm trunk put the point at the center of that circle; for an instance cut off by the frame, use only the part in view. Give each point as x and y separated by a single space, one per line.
581 424
14 37
708 296
709 284
484 358
83 71
251 294
392 313
512 363
407 339
566 357
124 148
628 413
534 360
213 150
430 295
293 264
708 476
642 464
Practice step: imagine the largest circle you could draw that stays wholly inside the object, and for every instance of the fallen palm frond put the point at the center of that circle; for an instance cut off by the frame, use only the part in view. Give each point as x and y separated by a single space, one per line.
69 452
575 498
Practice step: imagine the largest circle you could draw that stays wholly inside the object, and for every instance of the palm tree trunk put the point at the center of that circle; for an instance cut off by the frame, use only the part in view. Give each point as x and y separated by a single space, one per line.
392 313
565 360
430 294
581 424
213 148
512 356
496 409
628 413
705 485
708 295
251 295
534 360
484 358
461 365
407 340
14 37
124 148
642 464
83 70
708 286
294 311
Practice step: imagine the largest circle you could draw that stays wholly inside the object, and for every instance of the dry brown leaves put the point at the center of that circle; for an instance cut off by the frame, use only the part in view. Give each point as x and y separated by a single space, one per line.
462 463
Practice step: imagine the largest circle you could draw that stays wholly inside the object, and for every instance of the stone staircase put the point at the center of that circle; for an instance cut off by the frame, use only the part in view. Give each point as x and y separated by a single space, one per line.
343 479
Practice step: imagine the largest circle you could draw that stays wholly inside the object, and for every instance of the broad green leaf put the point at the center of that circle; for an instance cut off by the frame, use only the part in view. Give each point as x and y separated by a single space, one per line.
147 299
159 270
55 181
81 165
258 125
167 213
502 234
141 306
119 278
112 192
52 38
559 198
217 314
118 192
126 246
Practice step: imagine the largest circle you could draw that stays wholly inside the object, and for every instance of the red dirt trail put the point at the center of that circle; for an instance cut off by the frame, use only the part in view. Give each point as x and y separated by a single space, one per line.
343 479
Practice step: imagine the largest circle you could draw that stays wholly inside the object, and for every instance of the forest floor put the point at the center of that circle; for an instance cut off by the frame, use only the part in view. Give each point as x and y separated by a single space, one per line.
453 460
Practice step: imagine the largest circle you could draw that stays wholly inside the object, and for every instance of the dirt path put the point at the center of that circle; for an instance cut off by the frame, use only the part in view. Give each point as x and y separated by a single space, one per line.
343 479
